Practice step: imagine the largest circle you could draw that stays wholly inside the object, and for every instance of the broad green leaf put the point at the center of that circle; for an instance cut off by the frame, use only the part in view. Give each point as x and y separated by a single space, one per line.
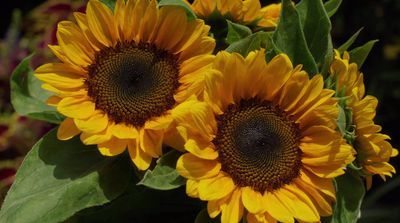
142 204
350 193
349 42
341 121
289 38
27 96
328 57
109 3
59 178
271 50
164 176
203 217
332 6
236 32
253 42
189 12
316 27
359 54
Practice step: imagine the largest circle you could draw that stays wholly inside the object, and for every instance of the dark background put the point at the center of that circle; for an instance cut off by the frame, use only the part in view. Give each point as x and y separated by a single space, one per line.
381 20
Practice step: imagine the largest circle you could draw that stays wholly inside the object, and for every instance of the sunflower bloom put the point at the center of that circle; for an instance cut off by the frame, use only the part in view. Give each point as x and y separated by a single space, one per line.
123 75
263 141
270 15
246 12
373 149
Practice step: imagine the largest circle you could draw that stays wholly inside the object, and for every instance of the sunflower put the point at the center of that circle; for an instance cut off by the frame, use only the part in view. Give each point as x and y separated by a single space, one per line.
263 141
247 12
124 74
373 149
270 16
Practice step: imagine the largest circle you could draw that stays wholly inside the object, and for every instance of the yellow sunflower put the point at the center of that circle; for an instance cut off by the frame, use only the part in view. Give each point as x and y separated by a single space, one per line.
270 15
267 144
246 12
124 74
373 149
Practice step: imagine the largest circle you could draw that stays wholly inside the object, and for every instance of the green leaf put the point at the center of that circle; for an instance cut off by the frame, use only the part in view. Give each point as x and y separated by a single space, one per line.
349 42
203 217
236 32
359 54
141 204
350 193
189 12
253 42
289 38
28 97
110 3
60 178
316 27
164 176
341 121
271 50
332 6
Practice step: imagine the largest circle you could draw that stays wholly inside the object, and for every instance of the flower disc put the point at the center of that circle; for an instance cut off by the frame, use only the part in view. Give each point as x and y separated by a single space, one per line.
133 83
258 145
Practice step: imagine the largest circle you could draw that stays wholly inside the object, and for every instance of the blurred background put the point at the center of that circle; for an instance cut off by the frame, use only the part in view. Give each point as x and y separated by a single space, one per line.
28 26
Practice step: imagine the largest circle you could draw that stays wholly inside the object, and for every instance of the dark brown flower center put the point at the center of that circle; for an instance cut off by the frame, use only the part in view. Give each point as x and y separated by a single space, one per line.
133 83
258 145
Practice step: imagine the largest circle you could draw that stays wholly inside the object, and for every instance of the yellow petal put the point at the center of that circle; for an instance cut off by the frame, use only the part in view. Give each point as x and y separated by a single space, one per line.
138 157
322 184
252 200
192 34
96 138
81 19
159 123
60 75
134 13
216 187
94 124
67 129
74 44
65 92
276 209
278 71
176 138
61 55
119 18
76 107
323 205
299 205
172 27
113 147
233 211
192 188
196 114
293 90
53 100
201 149
123 131
151 142
193 167
101 22
148 22
260 218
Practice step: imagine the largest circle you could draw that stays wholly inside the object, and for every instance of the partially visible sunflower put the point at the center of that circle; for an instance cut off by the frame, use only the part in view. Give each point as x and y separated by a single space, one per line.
124 74
373 149
270 16
267 144
247 12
